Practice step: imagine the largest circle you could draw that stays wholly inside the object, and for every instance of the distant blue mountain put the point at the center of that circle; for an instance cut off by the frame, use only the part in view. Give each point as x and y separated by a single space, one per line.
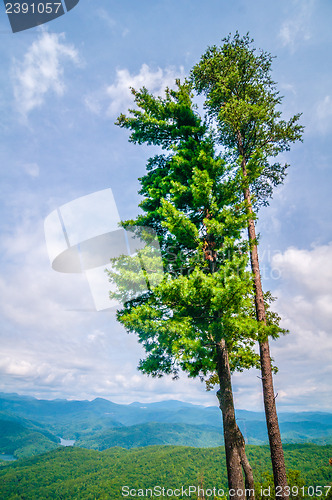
100 422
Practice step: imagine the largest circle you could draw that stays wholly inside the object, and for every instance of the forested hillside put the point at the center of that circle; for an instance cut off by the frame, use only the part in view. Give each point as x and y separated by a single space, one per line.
154 434
76 474
30 426
22 438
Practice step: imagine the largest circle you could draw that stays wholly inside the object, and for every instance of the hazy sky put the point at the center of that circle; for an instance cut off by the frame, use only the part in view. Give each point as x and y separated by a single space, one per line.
62 87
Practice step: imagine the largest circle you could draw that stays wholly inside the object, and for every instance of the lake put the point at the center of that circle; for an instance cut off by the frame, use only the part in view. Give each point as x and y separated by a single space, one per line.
67 442
8 458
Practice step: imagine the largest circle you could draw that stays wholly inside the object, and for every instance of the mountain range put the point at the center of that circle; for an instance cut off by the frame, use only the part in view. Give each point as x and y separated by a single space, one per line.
30 426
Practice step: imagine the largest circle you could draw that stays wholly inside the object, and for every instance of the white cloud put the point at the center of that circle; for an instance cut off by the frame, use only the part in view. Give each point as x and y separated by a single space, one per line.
33 294
309 271
53 342
296 29
304 302
41 71
117 97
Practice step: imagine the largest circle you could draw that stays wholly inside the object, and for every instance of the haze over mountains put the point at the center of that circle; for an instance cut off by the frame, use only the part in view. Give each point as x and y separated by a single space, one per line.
30 426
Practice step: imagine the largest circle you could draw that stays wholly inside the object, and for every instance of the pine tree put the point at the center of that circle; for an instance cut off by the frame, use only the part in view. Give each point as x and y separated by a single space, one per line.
242 98
198 319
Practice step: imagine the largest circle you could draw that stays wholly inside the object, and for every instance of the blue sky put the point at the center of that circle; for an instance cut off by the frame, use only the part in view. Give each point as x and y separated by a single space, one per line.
62 87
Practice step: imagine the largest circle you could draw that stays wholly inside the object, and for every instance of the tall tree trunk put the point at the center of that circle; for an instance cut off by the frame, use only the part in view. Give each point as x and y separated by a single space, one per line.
237 462
277 454
236 459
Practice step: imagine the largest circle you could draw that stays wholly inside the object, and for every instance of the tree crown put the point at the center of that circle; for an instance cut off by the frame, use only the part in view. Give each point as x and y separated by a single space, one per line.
242 97
188 199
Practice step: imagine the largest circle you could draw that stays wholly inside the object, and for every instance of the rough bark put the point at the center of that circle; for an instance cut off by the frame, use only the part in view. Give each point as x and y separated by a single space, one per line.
236 459
277 454
237 462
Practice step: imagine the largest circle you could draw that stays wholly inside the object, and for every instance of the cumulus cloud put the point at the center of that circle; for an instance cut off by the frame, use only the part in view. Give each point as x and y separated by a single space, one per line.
304 302
296 29
307 271
41 71
30 289
117 97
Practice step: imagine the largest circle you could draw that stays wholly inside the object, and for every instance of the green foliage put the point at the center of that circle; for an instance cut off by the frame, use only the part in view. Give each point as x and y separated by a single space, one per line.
20 441
189 200
163 122
242 97
76 474
296 484
153 433
181 332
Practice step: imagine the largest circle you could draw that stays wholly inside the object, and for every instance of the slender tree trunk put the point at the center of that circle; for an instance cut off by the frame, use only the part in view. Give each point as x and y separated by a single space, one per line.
237 462
277 454
236 459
